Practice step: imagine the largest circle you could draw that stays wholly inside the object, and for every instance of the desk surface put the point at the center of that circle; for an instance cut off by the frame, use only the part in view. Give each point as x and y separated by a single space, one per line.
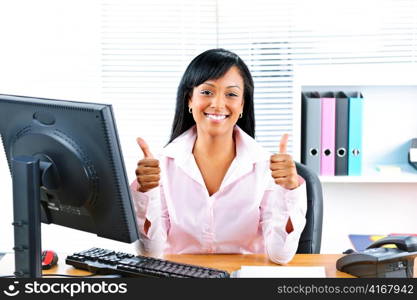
232 262
227 262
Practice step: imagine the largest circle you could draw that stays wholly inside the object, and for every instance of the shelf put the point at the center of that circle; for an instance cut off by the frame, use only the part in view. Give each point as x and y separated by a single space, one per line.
368 179
407 175
389 108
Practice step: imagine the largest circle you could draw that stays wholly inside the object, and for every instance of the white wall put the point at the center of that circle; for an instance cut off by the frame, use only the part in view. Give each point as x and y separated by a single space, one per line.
366 208
49 49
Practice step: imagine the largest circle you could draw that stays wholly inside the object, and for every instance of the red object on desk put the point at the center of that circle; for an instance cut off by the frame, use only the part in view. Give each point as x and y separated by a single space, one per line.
49 259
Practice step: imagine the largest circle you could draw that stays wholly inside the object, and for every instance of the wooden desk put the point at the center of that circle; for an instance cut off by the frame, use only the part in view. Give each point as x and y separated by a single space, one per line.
227 262
231 262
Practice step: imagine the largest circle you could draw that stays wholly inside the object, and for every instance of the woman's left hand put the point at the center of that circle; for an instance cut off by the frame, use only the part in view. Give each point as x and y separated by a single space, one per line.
283 167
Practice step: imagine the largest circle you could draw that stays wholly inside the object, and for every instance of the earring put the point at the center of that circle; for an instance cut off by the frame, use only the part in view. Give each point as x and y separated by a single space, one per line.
189 110
241 115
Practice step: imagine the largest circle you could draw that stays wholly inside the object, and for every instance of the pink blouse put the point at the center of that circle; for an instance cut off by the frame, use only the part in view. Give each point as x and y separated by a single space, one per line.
248 214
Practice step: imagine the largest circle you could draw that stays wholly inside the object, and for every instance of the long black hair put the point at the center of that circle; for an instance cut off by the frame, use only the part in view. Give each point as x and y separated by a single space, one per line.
212 64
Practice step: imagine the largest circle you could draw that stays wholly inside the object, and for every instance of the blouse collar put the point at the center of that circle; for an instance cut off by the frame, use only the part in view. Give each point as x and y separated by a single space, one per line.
248 152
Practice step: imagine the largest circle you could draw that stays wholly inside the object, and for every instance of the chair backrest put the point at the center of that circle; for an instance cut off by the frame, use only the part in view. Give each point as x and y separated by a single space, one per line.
310 240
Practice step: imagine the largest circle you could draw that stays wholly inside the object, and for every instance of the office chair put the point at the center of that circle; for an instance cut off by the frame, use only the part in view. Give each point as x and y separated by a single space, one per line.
310 240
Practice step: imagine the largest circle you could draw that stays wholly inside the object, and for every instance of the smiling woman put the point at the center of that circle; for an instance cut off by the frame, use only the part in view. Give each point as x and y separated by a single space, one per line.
214 189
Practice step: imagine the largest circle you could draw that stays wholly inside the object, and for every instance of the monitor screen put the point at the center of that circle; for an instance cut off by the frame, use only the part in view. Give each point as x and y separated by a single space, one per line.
85 186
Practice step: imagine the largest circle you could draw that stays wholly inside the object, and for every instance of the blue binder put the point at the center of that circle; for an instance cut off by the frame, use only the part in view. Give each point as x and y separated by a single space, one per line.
355 135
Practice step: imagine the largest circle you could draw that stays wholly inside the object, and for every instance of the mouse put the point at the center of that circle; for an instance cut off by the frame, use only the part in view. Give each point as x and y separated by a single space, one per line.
49 259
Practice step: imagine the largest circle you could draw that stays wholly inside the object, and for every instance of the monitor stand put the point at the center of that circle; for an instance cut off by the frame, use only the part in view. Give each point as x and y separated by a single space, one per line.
29 174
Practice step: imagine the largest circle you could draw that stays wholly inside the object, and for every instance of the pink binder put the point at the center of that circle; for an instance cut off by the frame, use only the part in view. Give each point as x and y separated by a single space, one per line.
328 129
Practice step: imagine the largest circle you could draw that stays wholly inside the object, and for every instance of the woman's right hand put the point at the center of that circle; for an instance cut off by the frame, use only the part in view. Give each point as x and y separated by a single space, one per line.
147 172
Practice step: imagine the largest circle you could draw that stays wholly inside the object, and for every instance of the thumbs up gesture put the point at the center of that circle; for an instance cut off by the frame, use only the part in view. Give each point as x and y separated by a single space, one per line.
147 172
283 167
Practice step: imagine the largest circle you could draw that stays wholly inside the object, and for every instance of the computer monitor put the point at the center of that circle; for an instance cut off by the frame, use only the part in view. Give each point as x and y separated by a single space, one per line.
67 168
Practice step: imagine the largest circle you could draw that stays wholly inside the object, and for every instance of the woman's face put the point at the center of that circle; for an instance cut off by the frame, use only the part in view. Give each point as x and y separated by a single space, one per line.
217 103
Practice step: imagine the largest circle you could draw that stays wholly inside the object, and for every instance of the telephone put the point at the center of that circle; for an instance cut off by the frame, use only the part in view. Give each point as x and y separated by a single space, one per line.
375 261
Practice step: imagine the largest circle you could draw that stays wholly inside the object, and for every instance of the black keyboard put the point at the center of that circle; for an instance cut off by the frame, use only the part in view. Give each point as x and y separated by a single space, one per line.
105 262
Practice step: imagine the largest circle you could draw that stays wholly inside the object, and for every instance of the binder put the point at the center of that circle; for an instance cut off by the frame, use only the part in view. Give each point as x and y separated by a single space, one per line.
328 128
311 131
342 131
355 135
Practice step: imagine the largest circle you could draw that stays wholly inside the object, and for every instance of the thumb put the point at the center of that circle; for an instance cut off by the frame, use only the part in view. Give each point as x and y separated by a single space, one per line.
283 143
145 148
